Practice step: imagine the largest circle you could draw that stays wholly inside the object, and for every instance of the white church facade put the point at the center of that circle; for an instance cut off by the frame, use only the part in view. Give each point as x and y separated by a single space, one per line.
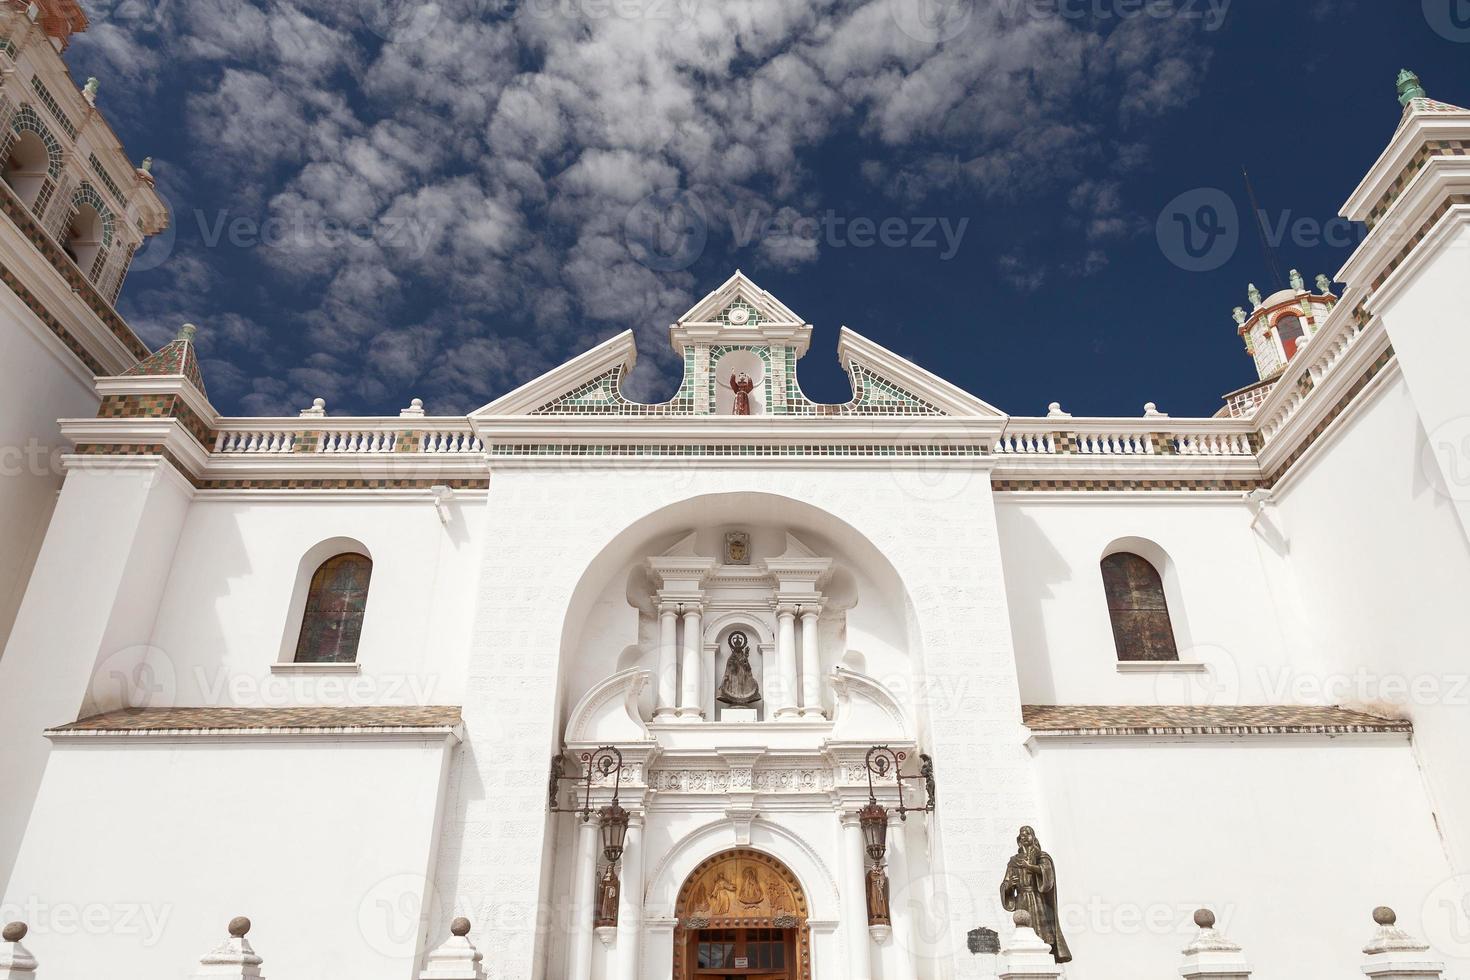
737 685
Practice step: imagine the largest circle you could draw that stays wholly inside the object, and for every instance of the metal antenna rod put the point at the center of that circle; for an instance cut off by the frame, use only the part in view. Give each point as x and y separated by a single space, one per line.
1261 232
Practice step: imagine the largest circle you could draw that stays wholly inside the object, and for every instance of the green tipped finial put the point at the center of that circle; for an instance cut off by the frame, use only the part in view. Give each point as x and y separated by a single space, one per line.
1409 88
90 89
147 167
187 332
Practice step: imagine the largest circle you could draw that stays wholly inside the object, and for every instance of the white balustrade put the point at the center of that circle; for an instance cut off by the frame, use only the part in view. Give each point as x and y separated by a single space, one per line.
450 442
255 441
1026 444
1212 444
356 441
1115 444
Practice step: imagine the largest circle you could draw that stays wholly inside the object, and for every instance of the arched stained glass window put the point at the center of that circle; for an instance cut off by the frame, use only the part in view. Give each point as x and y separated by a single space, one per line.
1135 592
332 623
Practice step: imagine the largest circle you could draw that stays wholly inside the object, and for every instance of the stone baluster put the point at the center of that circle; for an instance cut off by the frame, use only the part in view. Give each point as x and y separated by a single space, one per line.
1211 956
692 696
584 885
1393 954
811 663
1027 956
457 958
16 962
785 694
234 957
668 661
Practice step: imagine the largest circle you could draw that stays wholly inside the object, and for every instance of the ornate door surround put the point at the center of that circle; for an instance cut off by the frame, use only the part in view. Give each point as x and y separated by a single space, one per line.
741 888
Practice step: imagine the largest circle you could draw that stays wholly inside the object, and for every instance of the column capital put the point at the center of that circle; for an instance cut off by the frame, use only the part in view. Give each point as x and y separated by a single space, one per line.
784 609
680 597
668 607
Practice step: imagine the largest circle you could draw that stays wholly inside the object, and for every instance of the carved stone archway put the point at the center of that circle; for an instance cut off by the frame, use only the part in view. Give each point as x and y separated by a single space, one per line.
741 889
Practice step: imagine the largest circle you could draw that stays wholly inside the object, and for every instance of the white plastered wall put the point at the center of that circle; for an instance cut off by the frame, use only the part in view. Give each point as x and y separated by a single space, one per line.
43 382
1291 842
226 615
1231 601
1385 569
140 852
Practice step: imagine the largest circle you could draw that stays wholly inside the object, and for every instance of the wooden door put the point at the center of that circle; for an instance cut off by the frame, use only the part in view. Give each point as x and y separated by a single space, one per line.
743 954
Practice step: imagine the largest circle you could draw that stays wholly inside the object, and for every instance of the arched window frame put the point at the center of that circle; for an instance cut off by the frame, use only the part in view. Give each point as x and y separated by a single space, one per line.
306 571
1281 341
1164 567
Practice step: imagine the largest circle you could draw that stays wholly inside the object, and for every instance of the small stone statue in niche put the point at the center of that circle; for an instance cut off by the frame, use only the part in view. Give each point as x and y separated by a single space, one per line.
738 688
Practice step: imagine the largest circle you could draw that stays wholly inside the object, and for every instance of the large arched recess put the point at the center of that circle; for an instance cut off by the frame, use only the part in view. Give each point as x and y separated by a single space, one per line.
876 580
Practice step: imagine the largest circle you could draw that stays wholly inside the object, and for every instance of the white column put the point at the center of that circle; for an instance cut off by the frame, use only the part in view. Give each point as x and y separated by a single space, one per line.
630 900
786 661
668 660
900 911
811 664
584 889
689 701
855 900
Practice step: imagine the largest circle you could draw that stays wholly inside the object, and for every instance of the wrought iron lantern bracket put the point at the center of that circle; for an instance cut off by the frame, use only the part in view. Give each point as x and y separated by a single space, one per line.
604 761
882 760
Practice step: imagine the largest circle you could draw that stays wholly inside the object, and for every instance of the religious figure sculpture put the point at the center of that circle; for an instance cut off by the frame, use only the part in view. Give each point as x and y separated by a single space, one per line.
780 897
750 894
1031 885
877 881
741 386
720 891
738 688
608 891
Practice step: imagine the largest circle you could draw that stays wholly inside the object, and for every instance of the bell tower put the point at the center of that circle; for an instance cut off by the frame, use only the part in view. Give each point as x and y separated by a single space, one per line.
1281 324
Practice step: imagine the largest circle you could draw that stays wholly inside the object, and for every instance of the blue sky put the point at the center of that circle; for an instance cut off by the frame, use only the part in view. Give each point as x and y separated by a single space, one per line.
376 200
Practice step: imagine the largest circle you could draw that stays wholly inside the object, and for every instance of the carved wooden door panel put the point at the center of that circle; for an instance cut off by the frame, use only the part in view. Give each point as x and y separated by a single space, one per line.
741 914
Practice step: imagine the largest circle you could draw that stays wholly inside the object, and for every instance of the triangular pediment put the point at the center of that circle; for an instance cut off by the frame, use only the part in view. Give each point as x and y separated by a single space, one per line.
738 365
740 312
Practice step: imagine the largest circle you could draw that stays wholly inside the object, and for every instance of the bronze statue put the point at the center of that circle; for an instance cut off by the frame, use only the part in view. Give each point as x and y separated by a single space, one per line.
738 688
1030 885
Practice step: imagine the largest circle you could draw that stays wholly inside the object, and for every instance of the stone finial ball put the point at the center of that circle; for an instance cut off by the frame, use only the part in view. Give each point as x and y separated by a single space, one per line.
15 931
1022 919
1205 919
460 926
239 926
1385 916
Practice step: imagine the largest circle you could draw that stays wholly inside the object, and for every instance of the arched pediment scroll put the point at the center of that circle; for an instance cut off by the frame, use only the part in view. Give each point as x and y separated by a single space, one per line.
866 709
609 713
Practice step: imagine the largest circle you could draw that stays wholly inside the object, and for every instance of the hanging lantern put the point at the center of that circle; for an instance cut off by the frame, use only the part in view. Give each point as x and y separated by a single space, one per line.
873 818
614 831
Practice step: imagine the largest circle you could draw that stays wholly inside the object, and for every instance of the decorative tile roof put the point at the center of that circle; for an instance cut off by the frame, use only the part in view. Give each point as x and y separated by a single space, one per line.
308 718
177 357
1070 719
1432 105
